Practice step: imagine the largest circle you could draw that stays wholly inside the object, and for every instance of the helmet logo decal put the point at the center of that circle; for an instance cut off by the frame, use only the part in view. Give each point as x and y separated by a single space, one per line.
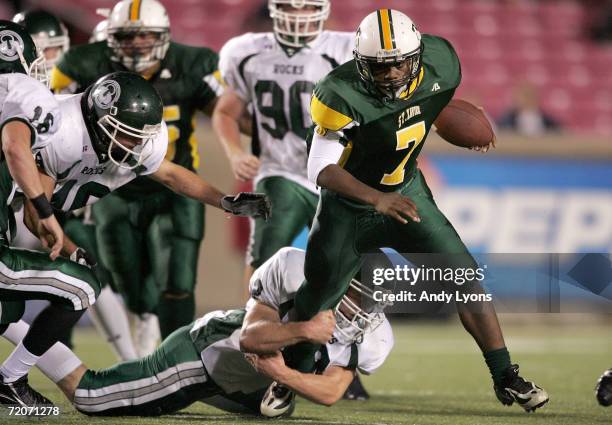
10 45
106 94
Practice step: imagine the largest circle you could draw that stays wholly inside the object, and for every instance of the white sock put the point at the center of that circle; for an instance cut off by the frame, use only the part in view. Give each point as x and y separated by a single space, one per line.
110 318
18 364
57 362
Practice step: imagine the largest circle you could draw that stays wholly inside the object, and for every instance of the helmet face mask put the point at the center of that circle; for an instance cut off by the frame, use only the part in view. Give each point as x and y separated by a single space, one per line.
19 54
139 49
123 113
358 313
297 22
388 52
139 142
138 34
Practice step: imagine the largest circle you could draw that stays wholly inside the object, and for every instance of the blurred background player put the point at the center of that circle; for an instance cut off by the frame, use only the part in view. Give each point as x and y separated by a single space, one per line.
49 33
275 72
144 216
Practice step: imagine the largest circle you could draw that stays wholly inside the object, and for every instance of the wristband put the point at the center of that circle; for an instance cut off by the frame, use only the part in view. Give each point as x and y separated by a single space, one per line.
43 206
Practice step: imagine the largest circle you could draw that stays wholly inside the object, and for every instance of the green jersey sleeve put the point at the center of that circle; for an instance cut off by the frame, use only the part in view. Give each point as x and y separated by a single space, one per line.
328 109
442 59
207 78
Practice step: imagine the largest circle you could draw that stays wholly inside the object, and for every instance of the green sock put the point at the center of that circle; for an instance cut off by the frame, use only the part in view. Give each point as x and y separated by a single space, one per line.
497 361
174 313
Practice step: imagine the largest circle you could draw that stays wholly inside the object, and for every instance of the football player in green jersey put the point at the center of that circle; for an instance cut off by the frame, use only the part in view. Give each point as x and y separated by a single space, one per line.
372 116
144 216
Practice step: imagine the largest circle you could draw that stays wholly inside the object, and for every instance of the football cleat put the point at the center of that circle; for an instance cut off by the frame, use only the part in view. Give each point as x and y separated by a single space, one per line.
356 390
603 389
146 334
514 388
20 393
277 401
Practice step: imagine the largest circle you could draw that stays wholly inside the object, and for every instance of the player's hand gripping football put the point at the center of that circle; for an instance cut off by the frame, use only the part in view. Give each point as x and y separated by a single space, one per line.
244 165
248 204
321 327
398 206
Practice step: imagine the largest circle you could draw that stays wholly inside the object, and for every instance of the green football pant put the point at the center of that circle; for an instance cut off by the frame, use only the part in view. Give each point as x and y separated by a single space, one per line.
84 235
31 275
293 208
169 379
151 248
343 230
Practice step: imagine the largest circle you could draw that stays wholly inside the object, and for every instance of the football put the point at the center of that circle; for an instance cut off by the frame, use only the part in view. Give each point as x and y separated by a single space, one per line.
464 124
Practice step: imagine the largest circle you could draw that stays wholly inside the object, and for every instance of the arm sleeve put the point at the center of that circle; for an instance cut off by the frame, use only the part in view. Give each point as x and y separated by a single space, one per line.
374 353
232 60
31 102
208 78
325 150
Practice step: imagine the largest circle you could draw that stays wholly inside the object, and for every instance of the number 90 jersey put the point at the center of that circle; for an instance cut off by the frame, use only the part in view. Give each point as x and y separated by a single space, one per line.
81 178
278 83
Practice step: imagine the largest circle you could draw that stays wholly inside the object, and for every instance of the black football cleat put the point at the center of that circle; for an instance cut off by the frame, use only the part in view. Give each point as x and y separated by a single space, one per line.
21 394
356 390
603 389
515 389
278 401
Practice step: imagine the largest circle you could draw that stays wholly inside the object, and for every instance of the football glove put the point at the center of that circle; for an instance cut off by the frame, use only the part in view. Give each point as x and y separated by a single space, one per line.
249 204
82 257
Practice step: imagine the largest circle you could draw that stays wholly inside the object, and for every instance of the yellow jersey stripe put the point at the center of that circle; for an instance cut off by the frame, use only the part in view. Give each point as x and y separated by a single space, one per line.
413 85
386 29
346 153
59 81
135 10
326 117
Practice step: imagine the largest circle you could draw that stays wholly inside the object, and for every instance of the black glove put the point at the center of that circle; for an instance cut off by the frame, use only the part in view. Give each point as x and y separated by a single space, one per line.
248 204
83 258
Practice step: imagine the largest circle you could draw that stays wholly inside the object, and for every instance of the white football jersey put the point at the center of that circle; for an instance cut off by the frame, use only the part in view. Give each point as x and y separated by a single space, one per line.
275 283
279 88
26 99
80 177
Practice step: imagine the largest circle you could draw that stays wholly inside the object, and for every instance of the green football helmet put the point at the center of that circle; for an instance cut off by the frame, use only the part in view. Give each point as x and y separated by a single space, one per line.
123 113
46 30
18 53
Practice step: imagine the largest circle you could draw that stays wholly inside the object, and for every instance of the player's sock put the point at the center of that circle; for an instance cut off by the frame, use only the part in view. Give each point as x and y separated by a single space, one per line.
174 312
110 318
498 361
18 364
56 363
48 327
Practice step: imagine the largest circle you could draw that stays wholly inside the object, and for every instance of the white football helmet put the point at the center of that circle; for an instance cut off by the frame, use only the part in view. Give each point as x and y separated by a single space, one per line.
129 18
357 316
387 38
99 32
294 29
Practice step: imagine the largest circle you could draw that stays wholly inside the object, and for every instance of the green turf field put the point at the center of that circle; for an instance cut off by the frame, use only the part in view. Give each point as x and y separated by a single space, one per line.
435 375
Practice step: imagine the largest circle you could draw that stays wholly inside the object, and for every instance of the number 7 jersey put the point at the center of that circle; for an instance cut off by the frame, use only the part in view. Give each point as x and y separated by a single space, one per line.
279 83
383 137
